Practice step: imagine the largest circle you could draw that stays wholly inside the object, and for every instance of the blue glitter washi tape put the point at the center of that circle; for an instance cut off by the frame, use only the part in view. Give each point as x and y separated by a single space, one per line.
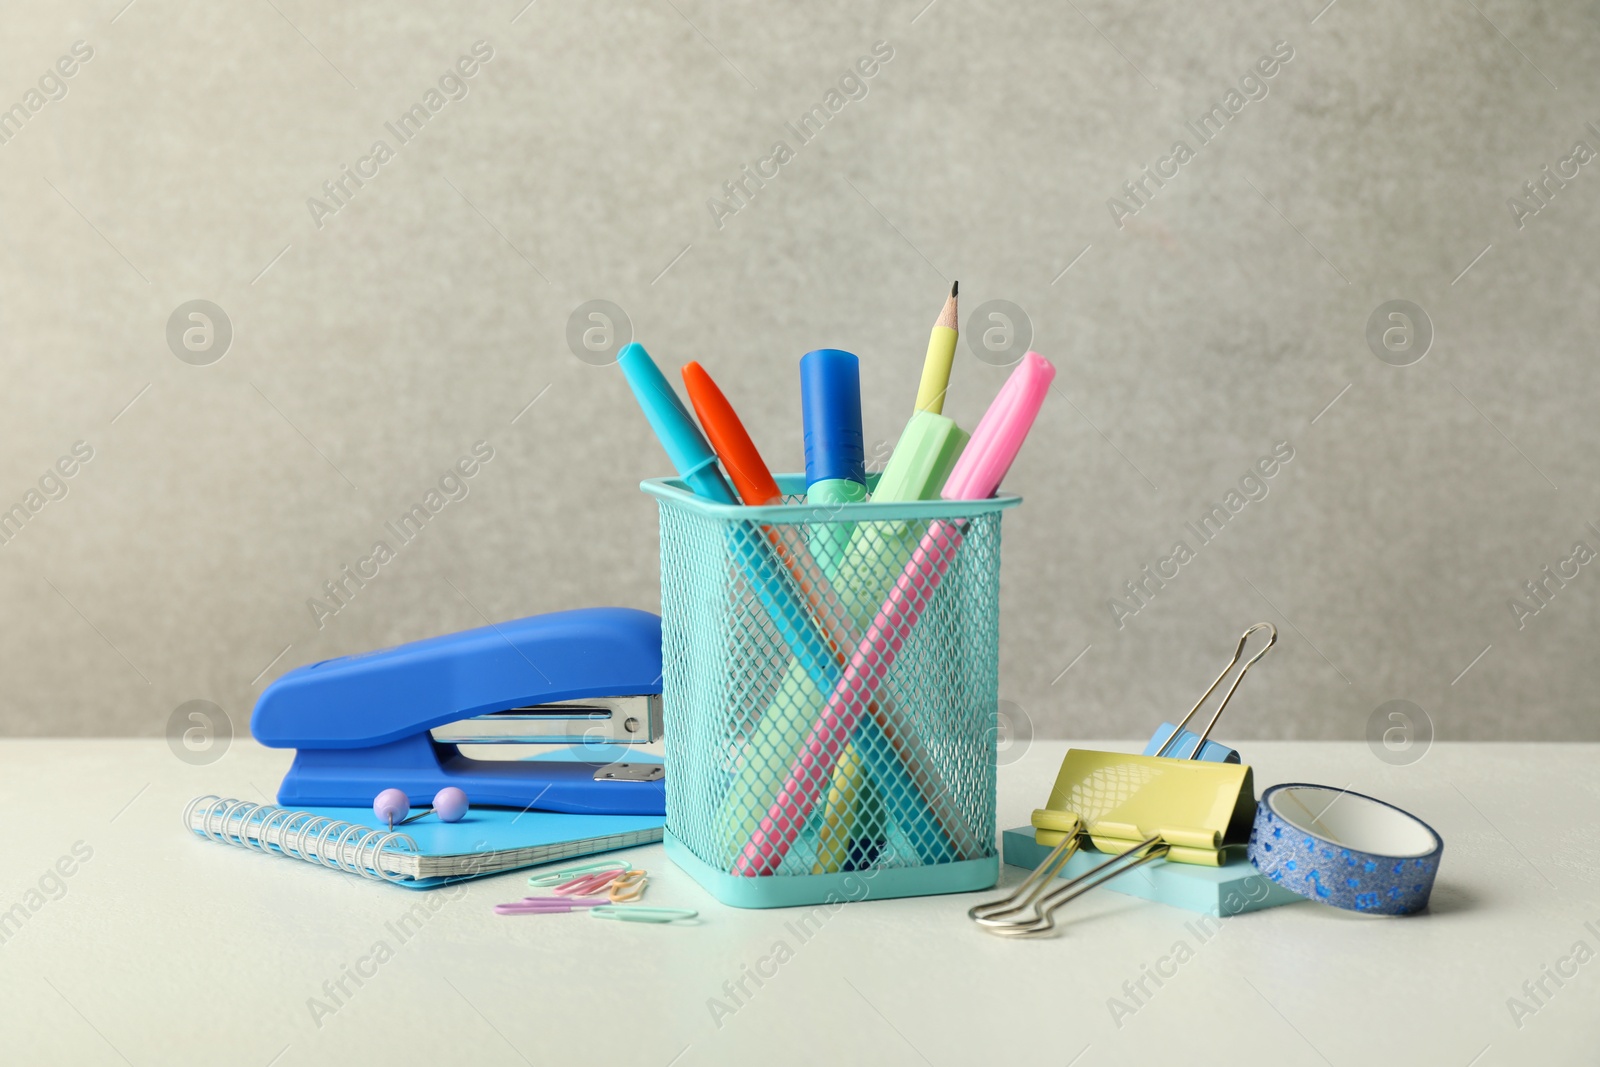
1346 849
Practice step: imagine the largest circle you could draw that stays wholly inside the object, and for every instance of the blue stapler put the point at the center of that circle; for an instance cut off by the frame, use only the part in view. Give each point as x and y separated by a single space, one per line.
397 717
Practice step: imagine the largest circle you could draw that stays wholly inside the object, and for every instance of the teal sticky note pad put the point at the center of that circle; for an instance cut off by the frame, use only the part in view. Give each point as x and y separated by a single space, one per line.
1232 889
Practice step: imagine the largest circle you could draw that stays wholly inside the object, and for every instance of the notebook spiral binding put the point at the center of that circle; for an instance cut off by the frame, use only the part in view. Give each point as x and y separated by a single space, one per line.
276 830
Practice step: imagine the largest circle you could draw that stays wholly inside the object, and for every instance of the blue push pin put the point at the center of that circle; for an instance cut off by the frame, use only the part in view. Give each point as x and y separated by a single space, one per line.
1175 742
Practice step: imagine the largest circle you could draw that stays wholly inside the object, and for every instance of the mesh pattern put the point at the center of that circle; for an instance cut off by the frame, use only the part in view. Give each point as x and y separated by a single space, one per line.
831 689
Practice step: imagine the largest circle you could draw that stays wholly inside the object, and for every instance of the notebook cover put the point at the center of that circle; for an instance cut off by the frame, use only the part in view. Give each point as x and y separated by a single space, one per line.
497 830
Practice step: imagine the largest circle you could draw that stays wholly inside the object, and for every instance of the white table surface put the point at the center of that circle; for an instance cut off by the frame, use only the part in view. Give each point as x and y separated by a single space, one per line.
166 949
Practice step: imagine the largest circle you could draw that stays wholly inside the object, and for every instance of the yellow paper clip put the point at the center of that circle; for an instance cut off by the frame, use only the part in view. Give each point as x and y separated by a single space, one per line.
1140 809
628 887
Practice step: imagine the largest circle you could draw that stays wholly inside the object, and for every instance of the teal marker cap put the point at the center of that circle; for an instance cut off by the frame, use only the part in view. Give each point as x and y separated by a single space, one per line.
830 404
675 428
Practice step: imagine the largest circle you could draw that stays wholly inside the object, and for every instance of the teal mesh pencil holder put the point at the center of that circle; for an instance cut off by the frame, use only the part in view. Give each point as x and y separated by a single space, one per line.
830 692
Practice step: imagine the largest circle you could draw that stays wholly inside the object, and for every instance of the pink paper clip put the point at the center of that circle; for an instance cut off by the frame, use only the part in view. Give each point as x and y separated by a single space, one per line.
587 883
548 905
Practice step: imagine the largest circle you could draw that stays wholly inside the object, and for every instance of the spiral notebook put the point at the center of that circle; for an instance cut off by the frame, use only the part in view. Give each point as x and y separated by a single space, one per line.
424 854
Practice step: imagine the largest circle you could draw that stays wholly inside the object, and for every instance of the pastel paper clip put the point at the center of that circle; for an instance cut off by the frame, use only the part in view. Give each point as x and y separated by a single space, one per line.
1139 809
566 874
638 913
628 887
547 905
588 883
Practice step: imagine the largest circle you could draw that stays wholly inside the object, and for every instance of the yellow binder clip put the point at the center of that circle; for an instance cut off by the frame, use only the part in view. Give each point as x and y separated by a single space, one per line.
1139 808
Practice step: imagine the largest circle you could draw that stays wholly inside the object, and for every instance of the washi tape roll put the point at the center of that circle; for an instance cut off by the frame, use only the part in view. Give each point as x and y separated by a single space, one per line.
1345 849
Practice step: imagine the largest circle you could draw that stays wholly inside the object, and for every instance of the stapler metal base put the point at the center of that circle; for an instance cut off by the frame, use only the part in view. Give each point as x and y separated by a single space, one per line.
420 767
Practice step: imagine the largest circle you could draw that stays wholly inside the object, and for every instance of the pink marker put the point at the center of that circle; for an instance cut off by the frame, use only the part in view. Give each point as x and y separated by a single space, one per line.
977 475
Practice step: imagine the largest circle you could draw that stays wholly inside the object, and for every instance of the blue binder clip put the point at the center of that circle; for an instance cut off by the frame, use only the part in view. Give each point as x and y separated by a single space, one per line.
1162 742
1183 748
396 717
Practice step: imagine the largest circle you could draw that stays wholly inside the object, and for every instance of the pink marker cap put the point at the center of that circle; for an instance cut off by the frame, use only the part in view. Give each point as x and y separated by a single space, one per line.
1001 431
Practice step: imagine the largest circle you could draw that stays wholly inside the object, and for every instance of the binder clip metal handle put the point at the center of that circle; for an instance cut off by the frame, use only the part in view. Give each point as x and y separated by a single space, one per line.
1151 848
1272 639
1008 916
996 912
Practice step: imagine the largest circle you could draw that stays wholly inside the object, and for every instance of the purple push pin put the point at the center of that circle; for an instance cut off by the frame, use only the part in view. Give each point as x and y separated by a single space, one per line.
391 804
449 803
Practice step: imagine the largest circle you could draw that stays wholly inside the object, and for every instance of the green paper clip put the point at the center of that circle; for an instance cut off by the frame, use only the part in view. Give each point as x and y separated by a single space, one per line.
638 913
568 873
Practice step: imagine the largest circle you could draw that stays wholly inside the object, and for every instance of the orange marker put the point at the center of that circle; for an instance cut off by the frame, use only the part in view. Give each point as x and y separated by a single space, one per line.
756 487
751 478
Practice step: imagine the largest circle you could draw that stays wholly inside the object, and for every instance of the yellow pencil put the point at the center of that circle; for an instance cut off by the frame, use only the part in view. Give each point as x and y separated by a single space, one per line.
941 353
847 794
853 814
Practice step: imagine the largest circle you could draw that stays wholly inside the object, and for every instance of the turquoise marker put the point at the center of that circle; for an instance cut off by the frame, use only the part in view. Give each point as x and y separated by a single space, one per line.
691 457
696 464
830 403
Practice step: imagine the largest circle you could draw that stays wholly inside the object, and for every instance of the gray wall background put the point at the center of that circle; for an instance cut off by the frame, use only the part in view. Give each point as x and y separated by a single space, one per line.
370 354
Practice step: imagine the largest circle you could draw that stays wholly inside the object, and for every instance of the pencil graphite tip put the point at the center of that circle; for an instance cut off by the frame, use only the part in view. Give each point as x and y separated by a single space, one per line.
953 287
947 314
